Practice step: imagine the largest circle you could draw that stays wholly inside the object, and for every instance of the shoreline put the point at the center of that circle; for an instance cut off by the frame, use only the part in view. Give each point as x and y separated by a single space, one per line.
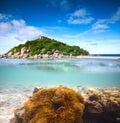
99 57
78 57
62 56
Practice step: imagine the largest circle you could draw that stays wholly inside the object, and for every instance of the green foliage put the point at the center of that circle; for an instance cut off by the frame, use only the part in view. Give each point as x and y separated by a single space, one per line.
48 44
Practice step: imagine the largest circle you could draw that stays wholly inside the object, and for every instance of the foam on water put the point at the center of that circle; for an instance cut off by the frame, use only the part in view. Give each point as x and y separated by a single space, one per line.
18 77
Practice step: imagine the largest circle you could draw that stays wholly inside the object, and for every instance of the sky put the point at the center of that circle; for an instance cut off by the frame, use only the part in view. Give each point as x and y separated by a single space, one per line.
91 24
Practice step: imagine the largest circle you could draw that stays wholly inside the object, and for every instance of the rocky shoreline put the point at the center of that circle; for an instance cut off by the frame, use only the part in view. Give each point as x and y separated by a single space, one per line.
100 105
25 53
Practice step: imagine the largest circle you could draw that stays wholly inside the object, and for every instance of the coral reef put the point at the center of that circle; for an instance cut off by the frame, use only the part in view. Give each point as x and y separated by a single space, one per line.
65 105
102 105
53 105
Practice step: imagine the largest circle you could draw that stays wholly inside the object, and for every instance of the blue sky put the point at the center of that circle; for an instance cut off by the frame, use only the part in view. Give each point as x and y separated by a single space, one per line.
91 24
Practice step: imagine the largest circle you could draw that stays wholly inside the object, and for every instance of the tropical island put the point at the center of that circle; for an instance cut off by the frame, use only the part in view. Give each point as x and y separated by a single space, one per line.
44 47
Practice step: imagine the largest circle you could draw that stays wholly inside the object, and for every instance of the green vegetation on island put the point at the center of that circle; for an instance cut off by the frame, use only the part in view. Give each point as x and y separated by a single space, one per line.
47 45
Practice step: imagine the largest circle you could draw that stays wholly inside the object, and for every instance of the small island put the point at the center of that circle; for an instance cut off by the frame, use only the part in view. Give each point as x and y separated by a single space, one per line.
42 48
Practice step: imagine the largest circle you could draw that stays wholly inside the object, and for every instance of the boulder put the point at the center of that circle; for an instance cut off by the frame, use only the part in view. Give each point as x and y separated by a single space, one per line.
60 56
4 56
40 56
19 113
28 50
102 105
10 54
93 107
26 55
56 55
16 55
35 56
23 50
31 57
53 105
45 56
1 56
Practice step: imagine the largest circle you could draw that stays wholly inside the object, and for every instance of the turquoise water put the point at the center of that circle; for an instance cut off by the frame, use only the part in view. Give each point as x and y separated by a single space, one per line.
69 72
18 77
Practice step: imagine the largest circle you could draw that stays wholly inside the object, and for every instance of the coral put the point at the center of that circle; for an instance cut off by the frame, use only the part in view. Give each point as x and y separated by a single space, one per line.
64 105
102 105
54 105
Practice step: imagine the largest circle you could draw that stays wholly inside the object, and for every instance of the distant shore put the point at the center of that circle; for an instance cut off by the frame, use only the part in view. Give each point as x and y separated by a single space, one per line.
100 57
46 56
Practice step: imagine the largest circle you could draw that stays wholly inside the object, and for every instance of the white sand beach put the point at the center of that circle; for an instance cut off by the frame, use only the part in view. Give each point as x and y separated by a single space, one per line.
100 57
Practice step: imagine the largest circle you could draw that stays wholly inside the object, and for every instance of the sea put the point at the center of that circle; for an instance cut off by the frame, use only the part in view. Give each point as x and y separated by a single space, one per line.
18 78
112 55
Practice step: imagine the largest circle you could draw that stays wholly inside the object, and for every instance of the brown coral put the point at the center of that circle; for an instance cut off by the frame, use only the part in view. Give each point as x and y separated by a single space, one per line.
102 105
54 105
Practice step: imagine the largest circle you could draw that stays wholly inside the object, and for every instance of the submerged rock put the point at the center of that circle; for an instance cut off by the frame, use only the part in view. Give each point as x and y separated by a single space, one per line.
102 105
53 105
64 105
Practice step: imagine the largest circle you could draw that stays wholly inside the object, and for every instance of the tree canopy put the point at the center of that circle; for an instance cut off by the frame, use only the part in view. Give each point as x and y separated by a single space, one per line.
45 44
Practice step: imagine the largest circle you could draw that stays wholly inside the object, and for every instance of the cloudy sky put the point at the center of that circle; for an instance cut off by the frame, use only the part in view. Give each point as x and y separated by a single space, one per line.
92 24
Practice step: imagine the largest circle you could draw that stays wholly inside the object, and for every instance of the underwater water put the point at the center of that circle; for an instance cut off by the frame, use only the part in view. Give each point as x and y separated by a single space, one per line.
18 77
69 72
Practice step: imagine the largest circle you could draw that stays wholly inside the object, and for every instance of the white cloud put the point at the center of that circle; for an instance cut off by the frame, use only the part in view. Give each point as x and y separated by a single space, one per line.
80 16
55 28
99 46
18 28
29 32
8 42
15 32
5 27
17 24
80 20
79 13
100 26
103 25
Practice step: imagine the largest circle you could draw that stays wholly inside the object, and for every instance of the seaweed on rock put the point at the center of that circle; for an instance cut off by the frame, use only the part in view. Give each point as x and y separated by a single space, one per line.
54 105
